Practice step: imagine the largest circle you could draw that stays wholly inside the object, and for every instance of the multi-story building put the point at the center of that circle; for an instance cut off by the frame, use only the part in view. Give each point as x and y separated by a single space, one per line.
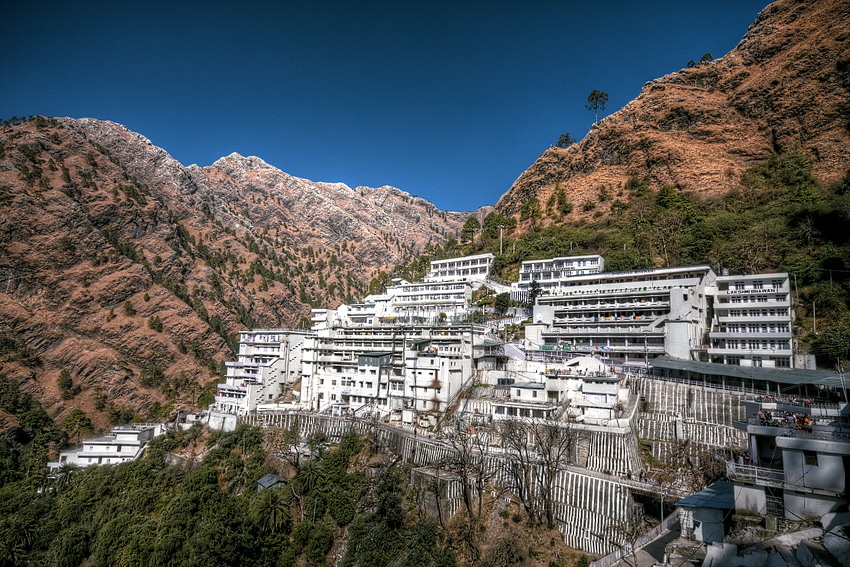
122 444
473 269
554 273
752 321
381 369
798 459
627 317
268 360
426 301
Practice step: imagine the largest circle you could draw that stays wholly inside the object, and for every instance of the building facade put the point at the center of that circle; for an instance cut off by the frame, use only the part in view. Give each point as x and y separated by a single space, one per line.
427 301
467 268
752 321
383 369
122 444
268 361
799 458
554 273
627 317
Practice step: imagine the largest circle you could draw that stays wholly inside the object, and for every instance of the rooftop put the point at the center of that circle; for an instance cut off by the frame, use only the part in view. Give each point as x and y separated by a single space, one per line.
791 376
718 495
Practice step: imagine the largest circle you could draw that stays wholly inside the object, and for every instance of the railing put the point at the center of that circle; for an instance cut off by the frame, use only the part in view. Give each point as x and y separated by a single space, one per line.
642 541
762 476
794 401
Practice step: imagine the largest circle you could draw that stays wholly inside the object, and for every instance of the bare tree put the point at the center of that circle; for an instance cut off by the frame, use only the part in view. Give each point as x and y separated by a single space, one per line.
555 443
521 463
629 529
469 460
537 450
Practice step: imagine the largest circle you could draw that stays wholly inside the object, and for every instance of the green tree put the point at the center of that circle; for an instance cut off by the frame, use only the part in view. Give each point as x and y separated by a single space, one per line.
66 385
77 423
502 302
270 511
565 141
129 310
155 323
596 101
707 58
379 283
533 293
470 227
530 210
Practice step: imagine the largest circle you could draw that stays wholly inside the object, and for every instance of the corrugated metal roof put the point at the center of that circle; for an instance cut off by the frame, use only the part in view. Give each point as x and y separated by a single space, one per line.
796 376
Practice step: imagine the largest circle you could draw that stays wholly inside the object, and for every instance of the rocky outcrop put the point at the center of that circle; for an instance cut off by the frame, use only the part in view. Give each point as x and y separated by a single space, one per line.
787 83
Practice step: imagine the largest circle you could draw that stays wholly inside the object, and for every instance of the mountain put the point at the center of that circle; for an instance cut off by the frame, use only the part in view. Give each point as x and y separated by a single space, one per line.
786 84
132 272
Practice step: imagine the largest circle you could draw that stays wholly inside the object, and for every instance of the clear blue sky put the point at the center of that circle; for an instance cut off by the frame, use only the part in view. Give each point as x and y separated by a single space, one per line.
449 100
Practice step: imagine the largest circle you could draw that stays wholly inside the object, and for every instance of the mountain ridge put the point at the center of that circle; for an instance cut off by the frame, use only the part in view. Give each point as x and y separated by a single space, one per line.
133 272
786 83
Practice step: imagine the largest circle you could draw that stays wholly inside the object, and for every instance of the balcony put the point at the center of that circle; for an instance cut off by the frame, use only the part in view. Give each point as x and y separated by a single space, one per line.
726 318
748 352
761 476
746 335
750 303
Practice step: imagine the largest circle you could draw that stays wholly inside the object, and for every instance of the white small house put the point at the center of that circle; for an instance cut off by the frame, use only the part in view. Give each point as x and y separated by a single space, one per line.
124 443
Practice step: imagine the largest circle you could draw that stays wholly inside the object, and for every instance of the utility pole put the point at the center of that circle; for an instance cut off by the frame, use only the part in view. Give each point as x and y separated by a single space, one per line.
501 232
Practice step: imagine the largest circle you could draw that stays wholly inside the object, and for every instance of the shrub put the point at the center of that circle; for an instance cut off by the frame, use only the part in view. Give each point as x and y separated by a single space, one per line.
129 310
66 385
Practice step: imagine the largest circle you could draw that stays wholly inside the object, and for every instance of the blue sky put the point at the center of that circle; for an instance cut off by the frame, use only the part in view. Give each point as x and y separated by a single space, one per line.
450 101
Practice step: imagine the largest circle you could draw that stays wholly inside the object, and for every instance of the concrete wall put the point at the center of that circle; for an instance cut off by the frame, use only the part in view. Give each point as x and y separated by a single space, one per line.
673 412
222 422
750 500
803 506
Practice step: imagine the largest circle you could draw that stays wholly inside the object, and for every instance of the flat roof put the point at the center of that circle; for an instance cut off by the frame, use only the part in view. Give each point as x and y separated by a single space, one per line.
530 385
792 376
718 495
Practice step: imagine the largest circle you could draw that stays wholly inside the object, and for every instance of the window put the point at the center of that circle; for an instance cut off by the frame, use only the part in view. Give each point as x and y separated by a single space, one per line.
534 394
518 392
811 458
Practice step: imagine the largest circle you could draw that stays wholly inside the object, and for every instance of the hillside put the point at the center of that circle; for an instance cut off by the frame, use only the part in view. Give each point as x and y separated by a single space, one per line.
133 272
786 84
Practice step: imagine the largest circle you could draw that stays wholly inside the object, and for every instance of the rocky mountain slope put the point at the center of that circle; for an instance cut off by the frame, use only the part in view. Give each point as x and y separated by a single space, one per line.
133 272
787 83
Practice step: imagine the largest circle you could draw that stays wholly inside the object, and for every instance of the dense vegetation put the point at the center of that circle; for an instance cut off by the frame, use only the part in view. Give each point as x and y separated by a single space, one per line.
150 513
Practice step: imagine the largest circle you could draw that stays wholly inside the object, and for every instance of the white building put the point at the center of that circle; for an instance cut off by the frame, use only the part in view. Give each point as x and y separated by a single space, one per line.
627 317
583 386
553 273
796 472
384 369
124 443
752 321
473 269
426 301
268 361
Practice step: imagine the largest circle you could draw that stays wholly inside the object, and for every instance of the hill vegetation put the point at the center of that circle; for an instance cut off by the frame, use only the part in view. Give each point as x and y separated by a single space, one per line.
207 511
778 217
